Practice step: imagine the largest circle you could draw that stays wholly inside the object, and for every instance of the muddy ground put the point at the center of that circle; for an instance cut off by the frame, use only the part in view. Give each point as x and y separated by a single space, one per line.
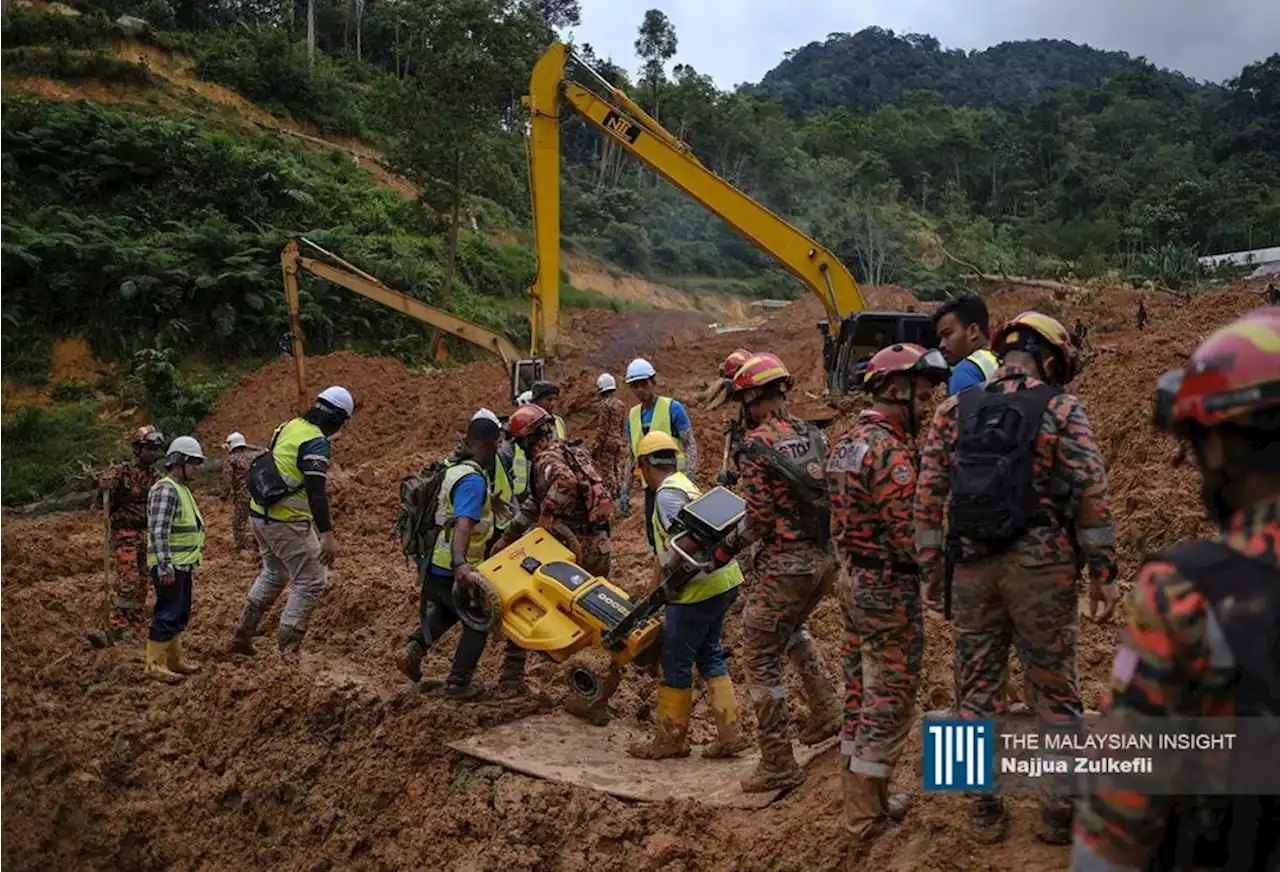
338 762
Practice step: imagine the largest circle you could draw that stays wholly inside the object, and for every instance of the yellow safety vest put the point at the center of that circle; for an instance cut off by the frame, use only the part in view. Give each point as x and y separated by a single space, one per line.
660 422
986 361
442 557
520 465
706 586
186 532
502 485
289 437
562 432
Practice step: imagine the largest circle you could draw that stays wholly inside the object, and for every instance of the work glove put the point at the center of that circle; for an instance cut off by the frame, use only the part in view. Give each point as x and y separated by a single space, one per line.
166 574
624 504
726 478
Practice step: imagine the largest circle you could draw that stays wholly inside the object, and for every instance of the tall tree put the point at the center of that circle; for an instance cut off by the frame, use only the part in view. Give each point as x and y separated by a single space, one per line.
656 45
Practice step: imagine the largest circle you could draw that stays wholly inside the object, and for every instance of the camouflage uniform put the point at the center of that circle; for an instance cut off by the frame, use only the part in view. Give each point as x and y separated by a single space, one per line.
871 476
1174 659
128 484
557 490
235 487
610 445
1028 590
795 574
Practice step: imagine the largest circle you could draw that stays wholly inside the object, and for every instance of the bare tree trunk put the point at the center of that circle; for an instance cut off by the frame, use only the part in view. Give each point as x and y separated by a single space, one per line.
451 256
311 32
359 30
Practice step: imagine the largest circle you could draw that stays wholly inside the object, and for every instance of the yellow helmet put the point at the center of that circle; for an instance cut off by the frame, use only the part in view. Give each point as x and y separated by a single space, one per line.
654 442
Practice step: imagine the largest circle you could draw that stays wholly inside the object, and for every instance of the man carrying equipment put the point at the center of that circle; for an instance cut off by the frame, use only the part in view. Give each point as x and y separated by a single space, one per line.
175 546
289 507
1202 639
125 487
785 489
1018 465
693 621
654 414
871 476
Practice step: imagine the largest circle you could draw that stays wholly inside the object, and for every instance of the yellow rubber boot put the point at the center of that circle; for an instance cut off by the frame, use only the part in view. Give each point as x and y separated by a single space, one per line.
724 709
158 663
176 662
670 726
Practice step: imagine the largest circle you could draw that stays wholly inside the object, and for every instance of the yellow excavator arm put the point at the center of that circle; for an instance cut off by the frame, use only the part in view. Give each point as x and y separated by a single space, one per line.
618 117
334 269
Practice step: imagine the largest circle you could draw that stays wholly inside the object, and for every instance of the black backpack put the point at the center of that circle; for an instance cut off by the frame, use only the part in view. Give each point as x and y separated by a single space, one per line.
419 498
264 482
993 494
805 478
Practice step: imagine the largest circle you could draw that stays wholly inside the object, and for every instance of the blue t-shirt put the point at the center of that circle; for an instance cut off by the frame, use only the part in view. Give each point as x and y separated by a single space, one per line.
469 495
679 419
964 374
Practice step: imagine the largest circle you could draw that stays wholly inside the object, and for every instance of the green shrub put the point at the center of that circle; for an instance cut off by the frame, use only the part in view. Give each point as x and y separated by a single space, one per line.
72 65
44 450
628 246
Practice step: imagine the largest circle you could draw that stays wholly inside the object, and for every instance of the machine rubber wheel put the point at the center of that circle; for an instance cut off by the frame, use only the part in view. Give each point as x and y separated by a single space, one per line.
479 608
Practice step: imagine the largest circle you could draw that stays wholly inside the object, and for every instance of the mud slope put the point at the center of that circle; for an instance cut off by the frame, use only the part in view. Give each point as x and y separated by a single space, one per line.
336 762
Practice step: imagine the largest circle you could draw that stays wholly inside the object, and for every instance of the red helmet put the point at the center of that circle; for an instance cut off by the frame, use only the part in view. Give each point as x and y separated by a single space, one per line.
527 420
1232 376
758 372
736 358
1036 333
904 359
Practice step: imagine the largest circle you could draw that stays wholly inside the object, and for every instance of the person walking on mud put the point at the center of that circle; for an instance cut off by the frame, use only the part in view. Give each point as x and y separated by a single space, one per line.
784 484
610 444
175 547
1015 467
124 488
871 476
235 487
654 413
1141 317
290 518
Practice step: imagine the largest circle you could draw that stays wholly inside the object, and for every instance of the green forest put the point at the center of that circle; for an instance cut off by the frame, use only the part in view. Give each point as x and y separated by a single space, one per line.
153 227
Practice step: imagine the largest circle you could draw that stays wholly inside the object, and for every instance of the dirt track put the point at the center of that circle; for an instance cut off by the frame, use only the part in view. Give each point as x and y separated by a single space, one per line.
340 763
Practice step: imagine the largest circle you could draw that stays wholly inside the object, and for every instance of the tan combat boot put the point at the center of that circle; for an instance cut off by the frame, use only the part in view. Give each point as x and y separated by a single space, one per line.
864 806
819 693
724 708
176 661
778 769
242 640
670 726
157 663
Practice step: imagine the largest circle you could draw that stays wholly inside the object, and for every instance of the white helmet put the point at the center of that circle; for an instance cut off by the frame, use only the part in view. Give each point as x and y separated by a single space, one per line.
235 440
339 398
524 399
606 382
486 415
182 449
639 370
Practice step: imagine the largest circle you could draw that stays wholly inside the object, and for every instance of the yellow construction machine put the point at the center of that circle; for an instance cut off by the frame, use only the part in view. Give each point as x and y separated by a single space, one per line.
850 334
328 266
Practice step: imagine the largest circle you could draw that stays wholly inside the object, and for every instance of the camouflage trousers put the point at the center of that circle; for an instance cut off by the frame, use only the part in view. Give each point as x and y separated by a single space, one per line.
240 522
595 553
609 465
130 579
999 599
778 604
883 656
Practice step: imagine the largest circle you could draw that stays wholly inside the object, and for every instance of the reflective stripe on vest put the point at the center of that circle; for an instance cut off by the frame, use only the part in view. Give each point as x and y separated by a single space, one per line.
186 531
562 432
442 557
660 422
519 471
288 439
986 362
704 587
501 481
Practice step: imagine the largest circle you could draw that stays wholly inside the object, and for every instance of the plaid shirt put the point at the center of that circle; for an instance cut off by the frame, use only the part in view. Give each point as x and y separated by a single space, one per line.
162 506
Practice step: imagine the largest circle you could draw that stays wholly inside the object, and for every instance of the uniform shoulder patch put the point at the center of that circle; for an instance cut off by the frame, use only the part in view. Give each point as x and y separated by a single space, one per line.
902 474
847 456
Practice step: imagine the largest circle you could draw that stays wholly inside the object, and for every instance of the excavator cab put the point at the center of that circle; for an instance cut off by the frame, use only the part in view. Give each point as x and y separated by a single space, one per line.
523 374
862 335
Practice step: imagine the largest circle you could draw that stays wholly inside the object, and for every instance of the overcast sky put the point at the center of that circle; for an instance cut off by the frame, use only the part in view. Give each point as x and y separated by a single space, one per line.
740 40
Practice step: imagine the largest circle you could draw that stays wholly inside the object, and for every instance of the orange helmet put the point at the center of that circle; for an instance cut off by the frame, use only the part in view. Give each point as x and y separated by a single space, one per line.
758 372
527 420
1038 334
904 359
1231 377
736 358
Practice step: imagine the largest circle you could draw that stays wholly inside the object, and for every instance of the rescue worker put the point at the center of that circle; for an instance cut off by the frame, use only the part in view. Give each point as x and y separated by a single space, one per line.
1273 294
654 413
609 449
1017 470
785 489
500 476
1201 640
1141 316
175 546
871 477
720 389
465 515
692 625
1078 335
294 529
126 486
235 486
735 428
963 329
547 395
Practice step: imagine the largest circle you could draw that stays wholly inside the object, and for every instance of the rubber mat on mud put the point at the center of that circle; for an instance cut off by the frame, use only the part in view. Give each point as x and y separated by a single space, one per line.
559 747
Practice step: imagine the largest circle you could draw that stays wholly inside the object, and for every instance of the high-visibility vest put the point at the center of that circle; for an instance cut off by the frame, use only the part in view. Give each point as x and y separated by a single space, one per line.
986 362
714 583
502 484
288 438
520 461
442 557
660 422
562 432
186 532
